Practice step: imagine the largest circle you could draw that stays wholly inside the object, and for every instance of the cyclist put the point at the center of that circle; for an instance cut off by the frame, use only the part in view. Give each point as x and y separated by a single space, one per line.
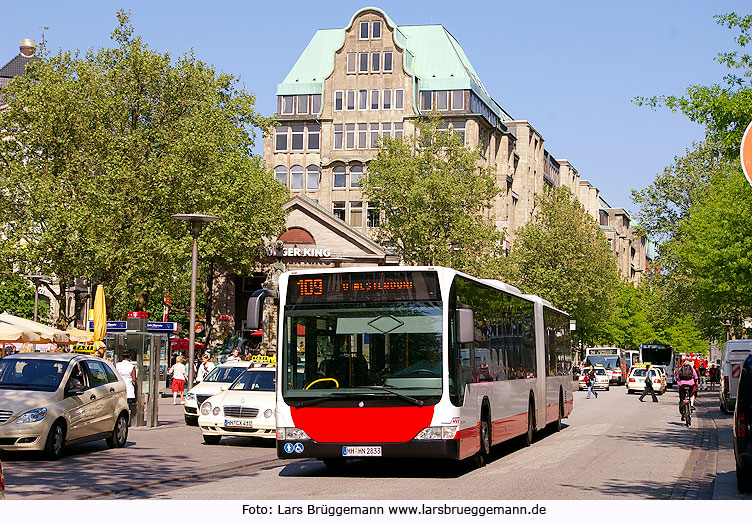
687 381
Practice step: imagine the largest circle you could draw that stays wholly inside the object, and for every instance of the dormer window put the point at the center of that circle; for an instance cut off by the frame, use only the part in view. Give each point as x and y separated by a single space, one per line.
376 29
364 27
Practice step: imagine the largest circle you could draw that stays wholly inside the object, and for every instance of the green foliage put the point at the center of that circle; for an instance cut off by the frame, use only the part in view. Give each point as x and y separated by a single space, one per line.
100 150
435 199
562 255
17 296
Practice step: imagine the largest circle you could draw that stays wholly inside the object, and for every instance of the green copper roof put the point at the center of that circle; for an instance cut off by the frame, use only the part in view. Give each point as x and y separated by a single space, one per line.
432 55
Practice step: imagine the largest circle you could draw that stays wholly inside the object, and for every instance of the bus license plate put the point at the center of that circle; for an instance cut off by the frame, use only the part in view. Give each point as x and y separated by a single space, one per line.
238 423
361 451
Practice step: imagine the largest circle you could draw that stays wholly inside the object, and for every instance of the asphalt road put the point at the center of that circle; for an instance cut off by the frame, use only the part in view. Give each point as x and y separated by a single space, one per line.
612 447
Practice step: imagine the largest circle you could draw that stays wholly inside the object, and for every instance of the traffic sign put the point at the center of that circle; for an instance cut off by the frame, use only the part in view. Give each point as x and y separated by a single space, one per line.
746 154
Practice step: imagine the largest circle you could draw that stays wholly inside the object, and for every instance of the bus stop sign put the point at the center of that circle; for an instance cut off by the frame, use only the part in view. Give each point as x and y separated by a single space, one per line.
746 153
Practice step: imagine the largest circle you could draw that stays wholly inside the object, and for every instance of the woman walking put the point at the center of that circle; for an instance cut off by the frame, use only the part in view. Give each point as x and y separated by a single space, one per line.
179 378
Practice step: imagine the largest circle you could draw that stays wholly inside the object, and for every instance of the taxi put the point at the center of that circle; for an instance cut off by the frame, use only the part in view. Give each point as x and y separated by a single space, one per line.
636 379
244 409
211 385
602 379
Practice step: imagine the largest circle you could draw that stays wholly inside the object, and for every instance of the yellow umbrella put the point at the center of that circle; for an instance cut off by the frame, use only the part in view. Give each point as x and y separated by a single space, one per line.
100 315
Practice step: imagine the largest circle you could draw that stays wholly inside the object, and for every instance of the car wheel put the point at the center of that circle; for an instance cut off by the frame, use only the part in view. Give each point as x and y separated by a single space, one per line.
608 388
191 421
119 433
743 479
212 440
53 448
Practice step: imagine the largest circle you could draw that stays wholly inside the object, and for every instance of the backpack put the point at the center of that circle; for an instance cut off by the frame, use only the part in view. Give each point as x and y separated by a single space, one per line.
685 373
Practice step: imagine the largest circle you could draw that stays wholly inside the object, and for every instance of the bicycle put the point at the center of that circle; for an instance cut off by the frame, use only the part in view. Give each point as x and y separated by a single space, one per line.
685 394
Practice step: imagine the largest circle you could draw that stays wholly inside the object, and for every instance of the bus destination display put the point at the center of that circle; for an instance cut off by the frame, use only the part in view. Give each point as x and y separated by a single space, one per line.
364 286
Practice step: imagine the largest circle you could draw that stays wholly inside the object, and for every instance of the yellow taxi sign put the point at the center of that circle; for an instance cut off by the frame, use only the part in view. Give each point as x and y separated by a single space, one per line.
264 359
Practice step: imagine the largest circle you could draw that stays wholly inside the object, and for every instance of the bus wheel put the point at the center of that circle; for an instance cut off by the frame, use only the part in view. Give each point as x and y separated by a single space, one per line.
485 440
528 438
557 423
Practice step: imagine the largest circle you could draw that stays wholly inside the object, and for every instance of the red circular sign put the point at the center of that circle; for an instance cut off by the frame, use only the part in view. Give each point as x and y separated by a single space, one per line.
746 154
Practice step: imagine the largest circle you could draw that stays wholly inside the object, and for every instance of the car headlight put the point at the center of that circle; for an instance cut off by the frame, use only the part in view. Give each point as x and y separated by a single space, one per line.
190 396
206 408
291 433
268 412
216 411
434 433
32 416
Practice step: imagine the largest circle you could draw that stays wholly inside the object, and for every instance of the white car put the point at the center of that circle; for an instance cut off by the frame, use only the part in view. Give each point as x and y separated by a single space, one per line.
245 409
211 385
636 380
51 400
602 379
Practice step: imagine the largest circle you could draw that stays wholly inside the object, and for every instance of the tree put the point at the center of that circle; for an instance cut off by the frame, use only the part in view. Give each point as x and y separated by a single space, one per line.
100 150
435 200
17 296
562 256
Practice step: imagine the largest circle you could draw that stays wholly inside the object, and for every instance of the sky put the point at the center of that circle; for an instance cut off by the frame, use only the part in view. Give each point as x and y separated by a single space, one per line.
570 68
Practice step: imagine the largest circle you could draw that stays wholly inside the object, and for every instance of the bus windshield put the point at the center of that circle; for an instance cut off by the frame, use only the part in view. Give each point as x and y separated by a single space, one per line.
607 361
336 350
657 354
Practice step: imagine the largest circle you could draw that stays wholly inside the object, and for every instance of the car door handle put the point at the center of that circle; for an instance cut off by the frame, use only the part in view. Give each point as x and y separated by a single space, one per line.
93 396
112 390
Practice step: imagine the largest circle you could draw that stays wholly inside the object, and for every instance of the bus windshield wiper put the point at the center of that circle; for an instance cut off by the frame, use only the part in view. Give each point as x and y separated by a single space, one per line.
328 397
407 398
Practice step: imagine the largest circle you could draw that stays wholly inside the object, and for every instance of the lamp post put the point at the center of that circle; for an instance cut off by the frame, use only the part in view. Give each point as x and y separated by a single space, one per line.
196 220
37 280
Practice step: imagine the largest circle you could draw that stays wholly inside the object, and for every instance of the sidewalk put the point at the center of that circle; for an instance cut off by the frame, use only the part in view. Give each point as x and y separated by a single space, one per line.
725 478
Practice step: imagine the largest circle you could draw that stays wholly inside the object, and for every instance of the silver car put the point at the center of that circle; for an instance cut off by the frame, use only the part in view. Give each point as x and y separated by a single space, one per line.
51 400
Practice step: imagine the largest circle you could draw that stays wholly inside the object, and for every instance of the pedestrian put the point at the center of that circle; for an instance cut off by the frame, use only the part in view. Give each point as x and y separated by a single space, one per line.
179 378
204 368
590 382
26 348
127 371
649 375
234 357
701 373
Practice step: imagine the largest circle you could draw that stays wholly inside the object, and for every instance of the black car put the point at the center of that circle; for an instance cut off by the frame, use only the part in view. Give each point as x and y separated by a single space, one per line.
743 428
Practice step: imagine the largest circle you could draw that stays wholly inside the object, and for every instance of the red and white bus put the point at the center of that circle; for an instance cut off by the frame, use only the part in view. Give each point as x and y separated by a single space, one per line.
610 358
413 362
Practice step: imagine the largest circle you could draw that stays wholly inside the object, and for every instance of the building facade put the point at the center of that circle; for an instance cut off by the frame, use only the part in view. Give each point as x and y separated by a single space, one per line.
374 78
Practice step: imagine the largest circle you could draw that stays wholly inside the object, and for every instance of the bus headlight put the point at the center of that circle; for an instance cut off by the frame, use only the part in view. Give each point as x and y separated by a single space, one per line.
434 433
291 434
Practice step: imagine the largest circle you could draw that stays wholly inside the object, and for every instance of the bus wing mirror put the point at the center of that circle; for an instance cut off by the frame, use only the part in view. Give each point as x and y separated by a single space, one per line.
255 308
465 326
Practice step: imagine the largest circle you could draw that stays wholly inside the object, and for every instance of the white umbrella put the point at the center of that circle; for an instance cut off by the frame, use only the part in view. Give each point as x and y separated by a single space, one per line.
48 334
13 334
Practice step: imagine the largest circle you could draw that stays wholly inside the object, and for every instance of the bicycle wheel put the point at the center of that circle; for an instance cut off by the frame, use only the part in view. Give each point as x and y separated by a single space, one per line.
688 414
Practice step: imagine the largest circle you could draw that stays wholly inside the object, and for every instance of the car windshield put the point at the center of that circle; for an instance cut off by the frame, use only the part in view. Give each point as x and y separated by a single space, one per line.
31 374
255 380
639 372
223 374
600 372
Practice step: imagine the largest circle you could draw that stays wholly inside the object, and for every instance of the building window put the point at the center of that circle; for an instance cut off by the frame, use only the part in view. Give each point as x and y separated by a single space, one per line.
351 59
364 30
315 104
425 100
338 100
297 138
362 136
387 61
363 68
338 209
458 99
387 99
356 214
351 100
287 105
296 177
363 99
376 29
312 177
374 135
340 177
280 173
302 104
280 138
356 172
398 129
386 129
375 62
459 128
399 99
314 136
373 216
442 100
375 99
338 136
349 136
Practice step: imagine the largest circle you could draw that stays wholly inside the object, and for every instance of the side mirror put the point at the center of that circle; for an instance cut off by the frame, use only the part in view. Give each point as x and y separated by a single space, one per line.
224 386
75 391
465 325
255 307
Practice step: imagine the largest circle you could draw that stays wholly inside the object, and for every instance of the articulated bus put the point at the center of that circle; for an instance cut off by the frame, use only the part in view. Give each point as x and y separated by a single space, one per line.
610 358
661 355
413 362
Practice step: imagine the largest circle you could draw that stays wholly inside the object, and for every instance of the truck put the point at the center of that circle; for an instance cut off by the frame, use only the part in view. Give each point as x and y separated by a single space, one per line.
735 351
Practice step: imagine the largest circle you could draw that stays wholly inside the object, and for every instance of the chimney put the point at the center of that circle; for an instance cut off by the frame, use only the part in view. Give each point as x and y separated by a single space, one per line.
27 47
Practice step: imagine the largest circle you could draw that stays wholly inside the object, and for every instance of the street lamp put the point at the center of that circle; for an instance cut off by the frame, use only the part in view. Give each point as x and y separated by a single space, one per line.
196 220
37 280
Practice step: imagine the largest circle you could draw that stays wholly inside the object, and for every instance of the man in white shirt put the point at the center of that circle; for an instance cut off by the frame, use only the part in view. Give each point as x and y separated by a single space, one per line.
234 357
127 371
